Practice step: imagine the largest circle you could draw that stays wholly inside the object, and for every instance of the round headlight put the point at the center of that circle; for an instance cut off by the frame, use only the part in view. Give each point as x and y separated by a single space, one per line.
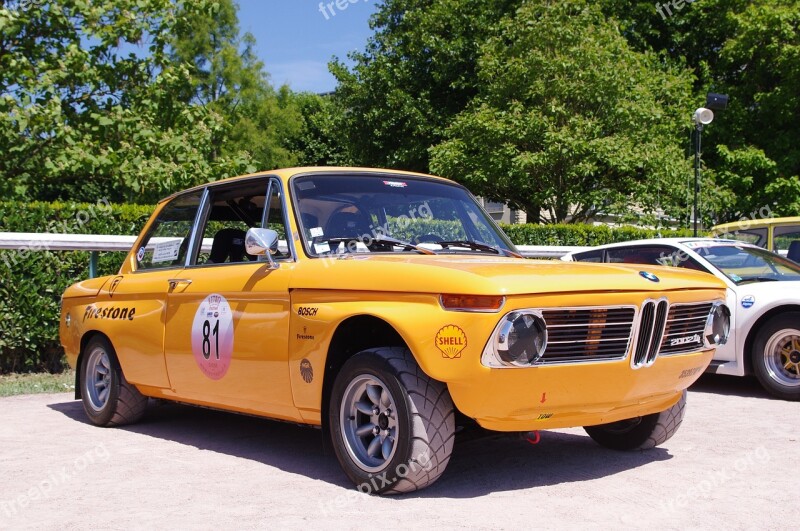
718 325
521 338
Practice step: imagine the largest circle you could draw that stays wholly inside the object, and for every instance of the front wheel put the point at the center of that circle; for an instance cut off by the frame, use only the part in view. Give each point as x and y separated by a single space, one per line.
391 425
776 356
640 432
108 398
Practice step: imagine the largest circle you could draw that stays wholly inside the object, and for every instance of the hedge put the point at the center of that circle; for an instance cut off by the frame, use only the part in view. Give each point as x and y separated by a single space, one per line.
33 280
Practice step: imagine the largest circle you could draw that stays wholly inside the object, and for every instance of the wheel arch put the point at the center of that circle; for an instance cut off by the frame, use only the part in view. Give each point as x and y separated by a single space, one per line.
85 338
754 330
352 335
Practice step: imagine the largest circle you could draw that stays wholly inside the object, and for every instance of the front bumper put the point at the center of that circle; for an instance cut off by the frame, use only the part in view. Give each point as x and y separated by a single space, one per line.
583 394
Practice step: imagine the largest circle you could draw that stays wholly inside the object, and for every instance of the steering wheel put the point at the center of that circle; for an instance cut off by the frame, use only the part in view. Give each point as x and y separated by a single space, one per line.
428 238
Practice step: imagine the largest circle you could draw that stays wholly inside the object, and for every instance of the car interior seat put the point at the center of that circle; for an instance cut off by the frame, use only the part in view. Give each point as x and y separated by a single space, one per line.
794 251
348 225
228 245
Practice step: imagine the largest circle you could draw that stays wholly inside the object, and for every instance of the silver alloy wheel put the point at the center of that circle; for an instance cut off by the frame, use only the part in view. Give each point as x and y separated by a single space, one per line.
97 380
782 356
368 418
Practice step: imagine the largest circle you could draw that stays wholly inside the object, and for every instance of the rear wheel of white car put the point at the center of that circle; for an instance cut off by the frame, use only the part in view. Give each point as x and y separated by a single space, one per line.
391 425
640 432
108 398
776 356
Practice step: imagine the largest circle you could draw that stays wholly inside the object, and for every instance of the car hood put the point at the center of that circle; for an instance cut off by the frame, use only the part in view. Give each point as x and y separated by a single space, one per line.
486 275
777 290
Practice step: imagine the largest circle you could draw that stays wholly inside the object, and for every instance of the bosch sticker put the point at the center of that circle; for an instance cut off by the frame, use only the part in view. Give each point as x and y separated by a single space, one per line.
748 301
212 336
451 340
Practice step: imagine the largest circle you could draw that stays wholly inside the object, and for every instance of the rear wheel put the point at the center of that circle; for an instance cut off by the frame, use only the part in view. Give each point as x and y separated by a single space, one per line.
640 432
391 425
108 399
776 356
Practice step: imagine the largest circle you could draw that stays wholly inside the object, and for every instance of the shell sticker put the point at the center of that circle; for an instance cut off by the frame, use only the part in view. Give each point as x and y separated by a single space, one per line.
451 340
212 336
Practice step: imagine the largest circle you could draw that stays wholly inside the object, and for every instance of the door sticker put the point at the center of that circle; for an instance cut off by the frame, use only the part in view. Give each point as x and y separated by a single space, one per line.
212 336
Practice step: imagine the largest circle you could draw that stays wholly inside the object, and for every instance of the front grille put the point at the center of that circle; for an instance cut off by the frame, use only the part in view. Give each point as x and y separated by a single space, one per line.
651 330
587 334
686 325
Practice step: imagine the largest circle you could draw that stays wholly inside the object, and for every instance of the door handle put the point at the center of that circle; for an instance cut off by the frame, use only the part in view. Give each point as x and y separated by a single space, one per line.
173 282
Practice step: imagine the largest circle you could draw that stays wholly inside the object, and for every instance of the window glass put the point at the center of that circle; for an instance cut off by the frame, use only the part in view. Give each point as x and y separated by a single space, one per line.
752 236
361 214
749 264
589 256
784 236
168 238
232 211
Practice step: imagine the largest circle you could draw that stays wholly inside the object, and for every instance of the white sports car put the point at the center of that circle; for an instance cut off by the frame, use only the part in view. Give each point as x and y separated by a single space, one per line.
763 294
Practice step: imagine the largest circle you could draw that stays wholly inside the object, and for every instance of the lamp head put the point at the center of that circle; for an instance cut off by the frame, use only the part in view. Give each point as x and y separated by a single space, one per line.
703 116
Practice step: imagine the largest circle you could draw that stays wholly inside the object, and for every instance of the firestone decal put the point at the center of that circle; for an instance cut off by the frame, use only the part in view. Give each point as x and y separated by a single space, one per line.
109 312
212 336
451 340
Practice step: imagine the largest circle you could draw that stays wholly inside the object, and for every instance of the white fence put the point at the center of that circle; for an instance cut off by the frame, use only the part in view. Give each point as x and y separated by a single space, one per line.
96 243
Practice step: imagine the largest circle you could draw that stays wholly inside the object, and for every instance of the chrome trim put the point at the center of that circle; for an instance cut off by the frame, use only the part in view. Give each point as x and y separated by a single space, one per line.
634 324
709 324
193 239
650 355
689 348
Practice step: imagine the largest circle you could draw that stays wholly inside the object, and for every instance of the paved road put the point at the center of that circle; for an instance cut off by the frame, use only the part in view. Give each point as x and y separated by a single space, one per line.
735 463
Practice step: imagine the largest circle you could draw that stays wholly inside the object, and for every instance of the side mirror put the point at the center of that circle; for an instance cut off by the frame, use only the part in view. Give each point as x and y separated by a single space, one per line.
262 242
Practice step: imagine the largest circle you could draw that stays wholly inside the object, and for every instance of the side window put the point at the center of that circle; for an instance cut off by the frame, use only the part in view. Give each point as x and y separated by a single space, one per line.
276 220
589 256
754 236
168 239
784 236
232 210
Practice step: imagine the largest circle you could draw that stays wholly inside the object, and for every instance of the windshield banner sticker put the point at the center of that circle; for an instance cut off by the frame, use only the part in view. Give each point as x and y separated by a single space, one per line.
166 251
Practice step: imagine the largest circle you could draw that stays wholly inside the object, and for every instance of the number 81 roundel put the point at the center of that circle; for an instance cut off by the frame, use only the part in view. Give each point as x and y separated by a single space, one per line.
212 336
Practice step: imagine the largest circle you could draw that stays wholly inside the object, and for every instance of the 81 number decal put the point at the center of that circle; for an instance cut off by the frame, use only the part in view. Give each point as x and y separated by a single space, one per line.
207 331
212 336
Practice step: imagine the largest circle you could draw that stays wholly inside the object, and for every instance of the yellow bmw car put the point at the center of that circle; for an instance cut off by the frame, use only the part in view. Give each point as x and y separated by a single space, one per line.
376 305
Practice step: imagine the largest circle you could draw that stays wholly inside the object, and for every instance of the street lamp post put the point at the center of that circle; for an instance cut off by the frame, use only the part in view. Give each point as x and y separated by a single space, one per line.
703 116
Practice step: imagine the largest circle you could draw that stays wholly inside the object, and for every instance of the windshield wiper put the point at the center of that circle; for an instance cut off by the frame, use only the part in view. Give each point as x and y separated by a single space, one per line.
381 239
758 279
406 245
478 246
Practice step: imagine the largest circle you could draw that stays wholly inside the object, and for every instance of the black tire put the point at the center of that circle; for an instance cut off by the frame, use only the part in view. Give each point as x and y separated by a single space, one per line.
640 433
776 356
108 398
415 415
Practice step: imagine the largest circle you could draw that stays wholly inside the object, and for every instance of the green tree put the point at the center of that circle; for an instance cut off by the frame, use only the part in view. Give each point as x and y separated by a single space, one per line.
228 78
416 74
88 104
569 119
751 51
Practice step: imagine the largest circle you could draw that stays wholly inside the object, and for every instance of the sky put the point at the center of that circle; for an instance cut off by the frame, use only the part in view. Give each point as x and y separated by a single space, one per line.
297 38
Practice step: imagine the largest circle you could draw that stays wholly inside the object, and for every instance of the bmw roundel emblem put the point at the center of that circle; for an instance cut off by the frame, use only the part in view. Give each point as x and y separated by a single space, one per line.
649 276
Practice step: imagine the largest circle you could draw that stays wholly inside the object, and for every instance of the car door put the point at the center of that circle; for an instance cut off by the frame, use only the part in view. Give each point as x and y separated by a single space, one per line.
227 318
138 299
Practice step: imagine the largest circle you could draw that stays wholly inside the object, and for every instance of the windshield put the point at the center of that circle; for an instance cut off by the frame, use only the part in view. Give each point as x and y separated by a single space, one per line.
749 264
342 214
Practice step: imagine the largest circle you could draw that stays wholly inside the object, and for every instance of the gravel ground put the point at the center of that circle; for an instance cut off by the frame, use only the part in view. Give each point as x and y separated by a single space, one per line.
735 463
